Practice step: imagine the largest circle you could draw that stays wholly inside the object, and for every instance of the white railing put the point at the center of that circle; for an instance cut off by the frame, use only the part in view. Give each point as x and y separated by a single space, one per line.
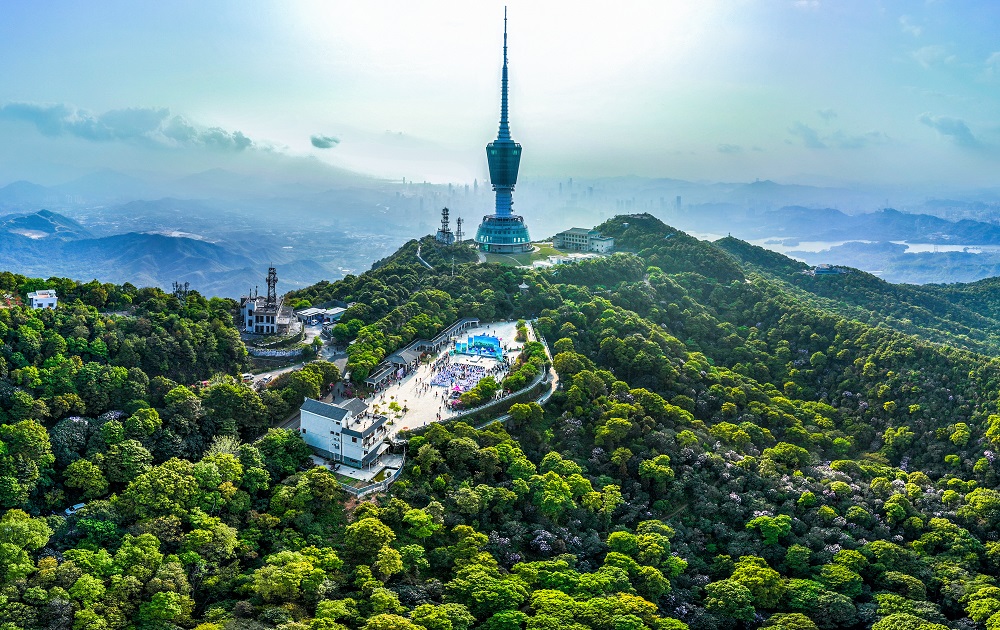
380 486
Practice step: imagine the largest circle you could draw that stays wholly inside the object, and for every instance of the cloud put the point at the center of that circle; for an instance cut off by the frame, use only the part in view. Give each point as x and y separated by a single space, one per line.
839 139
808 135
955 128
929 56
729 148
324 142
909 27
843 140
992 64
153 126
827 114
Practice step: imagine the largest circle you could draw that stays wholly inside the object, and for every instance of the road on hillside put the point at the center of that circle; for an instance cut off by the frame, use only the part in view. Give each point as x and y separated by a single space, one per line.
263 377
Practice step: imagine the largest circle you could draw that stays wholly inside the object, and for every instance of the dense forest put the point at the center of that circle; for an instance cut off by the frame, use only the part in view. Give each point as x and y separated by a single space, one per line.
733 445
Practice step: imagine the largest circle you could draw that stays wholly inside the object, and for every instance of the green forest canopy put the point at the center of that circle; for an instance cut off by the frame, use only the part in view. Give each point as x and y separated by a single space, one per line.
734 446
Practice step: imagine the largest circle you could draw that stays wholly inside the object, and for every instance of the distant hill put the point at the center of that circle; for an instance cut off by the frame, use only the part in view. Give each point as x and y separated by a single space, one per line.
22 196
49 244
106 186
43 224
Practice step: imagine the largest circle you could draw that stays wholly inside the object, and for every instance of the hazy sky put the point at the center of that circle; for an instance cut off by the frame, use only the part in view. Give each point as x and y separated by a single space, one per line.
796 91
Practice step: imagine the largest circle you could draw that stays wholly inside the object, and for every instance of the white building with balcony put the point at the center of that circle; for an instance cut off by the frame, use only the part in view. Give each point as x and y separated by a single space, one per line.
345 432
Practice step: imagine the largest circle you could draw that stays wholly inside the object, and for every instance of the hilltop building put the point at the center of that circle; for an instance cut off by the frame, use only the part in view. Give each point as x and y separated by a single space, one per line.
347 432
824 270
503 231
43 298
265 315
321 315
584 240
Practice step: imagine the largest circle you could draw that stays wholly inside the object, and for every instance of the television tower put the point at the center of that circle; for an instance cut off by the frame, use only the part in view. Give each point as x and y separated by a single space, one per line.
503 231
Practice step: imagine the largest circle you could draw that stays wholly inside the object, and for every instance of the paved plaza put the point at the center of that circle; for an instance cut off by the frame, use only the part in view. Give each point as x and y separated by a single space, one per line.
424 401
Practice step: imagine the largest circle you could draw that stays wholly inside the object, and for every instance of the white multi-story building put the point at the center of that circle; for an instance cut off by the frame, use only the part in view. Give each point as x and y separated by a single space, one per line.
345 432
43 298
584 240
261 318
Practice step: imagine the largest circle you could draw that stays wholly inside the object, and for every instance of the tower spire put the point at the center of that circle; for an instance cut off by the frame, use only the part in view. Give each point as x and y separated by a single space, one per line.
504 126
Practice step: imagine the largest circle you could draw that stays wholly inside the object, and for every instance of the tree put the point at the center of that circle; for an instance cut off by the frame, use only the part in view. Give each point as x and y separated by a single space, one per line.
657 470
524 415
789 455
127 460
169 488
143 423
166 608
283 451
19 534
840 579
772 528
387 621
790 621
389 562
906 621
211 539
731 599
25 455
291 575
484 592
797 560
87 590
764 582
421 523
85 476
366 536
982 505
235 408
461 451
442 617
552 495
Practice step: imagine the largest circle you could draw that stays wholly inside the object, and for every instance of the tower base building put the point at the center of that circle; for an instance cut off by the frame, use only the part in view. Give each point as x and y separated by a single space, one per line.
503 234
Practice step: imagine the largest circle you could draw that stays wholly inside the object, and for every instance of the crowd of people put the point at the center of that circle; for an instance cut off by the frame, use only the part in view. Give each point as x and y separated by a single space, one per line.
462 376
440 381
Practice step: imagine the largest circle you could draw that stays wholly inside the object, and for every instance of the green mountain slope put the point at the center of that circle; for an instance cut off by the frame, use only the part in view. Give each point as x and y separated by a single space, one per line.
730 447
960 315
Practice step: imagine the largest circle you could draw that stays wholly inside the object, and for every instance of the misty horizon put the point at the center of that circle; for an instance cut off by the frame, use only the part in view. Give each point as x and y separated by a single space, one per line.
804 92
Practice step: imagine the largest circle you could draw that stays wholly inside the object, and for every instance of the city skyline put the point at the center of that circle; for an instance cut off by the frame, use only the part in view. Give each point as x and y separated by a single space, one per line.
800 91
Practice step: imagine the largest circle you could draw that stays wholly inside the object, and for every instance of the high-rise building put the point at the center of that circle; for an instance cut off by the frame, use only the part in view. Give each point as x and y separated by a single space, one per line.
503 231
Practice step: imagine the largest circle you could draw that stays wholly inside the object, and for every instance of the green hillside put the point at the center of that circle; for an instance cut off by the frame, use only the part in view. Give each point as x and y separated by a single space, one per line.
733 445
963 315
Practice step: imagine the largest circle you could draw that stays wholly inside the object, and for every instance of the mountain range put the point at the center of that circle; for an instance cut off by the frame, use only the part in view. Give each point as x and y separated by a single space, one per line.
46 244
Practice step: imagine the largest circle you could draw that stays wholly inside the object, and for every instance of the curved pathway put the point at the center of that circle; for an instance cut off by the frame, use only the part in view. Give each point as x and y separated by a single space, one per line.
425 263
